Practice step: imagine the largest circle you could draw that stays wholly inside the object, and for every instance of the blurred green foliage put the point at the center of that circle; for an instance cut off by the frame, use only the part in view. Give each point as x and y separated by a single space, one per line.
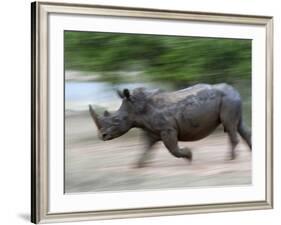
173 58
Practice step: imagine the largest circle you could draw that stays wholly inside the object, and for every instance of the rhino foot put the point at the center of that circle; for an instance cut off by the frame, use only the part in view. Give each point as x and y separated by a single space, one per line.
188 154
141 164
233 156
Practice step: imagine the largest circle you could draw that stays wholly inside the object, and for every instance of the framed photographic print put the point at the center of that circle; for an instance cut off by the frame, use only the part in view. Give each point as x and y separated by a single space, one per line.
146 112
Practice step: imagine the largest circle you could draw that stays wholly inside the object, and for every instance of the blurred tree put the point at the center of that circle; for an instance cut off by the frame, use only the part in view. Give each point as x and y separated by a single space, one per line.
171 58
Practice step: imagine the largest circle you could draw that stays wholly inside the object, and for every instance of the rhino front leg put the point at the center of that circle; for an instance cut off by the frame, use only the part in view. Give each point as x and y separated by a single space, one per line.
149 140
170 140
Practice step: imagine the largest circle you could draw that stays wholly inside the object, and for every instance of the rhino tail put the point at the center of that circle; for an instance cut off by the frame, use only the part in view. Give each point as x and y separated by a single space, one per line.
245 133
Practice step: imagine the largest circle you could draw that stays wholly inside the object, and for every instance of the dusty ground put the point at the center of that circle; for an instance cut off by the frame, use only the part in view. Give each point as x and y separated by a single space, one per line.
93 165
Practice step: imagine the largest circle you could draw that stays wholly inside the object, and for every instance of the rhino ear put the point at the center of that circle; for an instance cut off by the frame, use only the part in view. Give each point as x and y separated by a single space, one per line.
126 93
106 113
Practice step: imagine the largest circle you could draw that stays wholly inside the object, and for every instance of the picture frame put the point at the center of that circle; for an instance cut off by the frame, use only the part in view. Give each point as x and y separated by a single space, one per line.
42 196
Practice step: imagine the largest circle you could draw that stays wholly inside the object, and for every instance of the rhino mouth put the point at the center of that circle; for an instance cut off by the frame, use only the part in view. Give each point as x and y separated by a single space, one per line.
105 137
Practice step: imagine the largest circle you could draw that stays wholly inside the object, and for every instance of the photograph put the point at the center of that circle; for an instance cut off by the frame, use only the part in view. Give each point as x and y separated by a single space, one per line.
140 112
156 112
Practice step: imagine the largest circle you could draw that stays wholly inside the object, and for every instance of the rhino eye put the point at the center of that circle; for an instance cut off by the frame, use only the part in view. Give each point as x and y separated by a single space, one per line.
116 120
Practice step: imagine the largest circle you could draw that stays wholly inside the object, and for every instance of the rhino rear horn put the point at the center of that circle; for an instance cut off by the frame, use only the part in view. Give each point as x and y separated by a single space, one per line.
94 116
106 113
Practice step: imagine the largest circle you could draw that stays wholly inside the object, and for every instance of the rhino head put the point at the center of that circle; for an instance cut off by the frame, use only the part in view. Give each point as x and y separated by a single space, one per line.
113 125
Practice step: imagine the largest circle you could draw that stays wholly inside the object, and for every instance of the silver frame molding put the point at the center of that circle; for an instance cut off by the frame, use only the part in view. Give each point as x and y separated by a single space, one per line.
39 117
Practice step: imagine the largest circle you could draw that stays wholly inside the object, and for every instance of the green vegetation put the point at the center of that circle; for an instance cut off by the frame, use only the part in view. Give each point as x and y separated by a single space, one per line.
159 58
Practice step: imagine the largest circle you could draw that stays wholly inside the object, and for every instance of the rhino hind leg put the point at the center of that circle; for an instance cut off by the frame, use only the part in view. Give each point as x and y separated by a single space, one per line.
233 138
230 115
170 140
234 141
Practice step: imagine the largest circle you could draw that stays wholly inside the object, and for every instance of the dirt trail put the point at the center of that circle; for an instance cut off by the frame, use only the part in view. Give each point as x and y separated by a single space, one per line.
93 165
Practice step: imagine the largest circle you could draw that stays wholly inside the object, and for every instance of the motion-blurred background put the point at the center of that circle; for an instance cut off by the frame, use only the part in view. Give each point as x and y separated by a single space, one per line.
97 64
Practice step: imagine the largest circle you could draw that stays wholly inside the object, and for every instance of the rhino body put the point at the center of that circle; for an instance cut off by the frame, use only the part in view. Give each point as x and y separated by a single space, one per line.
186 115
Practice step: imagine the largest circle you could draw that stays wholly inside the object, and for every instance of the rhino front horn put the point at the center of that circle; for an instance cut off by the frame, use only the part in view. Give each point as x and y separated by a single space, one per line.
94 116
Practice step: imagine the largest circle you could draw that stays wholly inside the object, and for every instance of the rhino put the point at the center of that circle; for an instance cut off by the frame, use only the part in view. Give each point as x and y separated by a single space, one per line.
188 114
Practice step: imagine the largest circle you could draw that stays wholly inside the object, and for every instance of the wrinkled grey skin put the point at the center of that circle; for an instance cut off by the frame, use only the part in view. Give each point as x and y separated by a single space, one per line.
186 115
